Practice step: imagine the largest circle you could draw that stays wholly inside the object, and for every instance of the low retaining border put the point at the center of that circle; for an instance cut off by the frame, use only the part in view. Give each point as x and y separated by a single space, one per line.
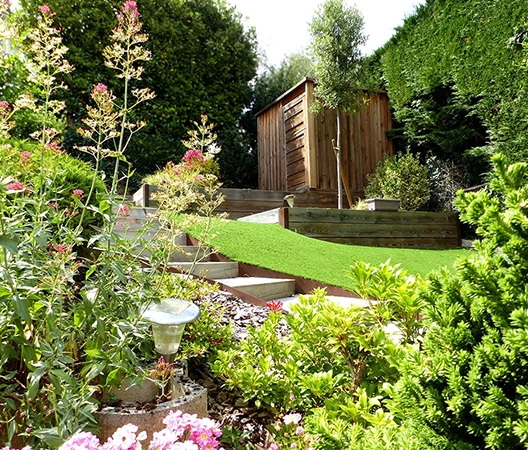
375 228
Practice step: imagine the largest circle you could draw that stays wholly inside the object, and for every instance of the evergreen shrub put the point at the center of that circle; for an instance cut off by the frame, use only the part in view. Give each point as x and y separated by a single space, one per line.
403 177
468 381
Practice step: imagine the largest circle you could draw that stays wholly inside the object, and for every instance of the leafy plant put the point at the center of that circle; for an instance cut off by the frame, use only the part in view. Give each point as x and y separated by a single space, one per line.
295 371
403 177
468 382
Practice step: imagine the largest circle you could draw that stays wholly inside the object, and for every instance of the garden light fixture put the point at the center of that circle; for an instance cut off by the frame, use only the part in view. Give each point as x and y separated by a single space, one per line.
168 319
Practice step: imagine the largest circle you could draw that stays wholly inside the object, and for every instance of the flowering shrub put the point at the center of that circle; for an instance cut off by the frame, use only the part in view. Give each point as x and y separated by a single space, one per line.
182 432
290 434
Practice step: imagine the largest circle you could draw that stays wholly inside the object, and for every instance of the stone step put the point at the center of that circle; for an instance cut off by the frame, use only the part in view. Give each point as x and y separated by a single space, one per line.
263 288
185 253
209 269
153 233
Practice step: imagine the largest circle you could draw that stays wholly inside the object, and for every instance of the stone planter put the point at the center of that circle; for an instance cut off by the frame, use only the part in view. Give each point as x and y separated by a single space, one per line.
149 416
383 204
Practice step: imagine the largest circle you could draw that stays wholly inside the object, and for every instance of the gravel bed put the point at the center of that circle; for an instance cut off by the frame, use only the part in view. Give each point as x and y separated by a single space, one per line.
228 407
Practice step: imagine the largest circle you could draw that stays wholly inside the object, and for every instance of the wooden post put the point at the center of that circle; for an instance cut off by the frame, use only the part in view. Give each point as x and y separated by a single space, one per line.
344 176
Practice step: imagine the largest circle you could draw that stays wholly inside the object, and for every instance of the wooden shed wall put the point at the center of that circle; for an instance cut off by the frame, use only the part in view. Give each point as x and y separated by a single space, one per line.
295 146
364 143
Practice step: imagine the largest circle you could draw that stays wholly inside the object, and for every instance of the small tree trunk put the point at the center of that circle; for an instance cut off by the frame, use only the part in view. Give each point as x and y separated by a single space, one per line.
339 187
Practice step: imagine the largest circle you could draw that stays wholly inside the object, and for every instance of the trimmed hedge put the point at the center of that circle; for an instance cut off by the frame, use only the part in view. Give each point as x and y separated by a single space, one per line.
475 50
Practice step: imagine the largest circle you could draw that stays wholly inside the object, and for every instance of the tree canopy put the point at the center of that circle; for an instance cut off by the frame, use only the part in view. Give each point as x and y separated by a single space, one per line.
202 62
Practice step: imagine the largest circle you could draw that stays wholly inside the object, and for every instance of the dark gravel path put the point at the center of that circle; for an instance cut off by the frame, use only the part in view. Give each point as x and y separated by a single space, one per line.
227 407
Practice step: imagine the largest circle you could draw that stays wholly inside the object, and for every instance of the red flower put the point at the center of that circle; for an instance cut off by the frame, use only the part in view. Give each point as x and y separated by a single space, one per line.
274 305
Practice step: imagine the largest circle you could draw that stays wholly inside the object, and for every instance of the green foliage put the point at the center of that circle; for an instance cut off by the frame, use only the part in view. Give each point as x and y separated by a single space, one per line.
401 176
337 33
296 371
469 381
21 160
455 75
207 334
202 60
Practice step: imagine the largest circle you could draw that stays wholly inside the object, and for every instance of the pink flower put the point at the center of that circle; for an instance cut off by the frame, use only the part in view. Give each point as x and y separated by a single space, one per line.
123 211
100 87
25 156
292 418
53 205
193 155
45 9
5 108
81 440
294 445
16 186
131 8
273 447
125 438
78 193
299 431
61 248
55 146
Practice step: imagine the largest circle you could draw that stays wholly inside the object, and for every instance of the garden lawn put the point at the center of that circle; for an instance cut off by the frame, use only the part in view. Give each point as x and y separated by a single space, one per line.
273 247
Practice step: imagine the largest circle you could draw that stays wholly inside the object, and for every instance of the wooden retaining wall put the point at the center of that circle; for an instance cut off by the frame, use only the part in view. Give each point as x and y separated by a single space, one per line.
375 228
244 202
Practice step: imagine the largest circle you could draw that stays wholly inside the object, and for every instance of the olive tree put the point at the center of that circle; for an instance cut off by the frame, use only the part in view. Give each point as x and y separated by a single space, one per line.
337 34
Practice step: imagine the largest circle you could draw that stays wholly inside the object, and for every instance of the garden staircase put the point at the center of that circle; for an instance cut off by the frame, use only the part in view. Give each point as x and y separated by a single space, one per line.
225 273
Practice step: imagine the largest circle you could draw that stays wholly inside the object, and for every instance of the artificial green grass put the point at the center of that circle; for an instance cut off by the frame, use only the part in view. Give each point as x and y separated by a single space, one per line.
273 247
